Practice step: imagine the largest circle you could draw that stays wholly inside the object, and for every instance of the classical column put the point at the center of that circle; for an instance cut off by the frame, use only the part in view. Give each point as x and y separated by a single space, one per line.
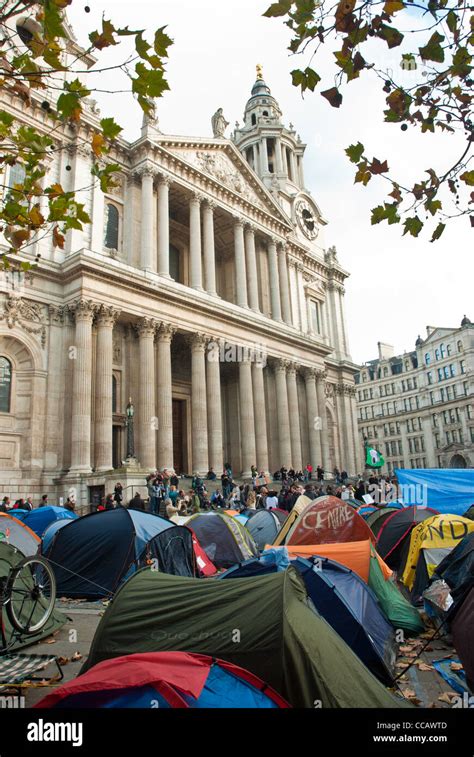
278 157
247 416
195 242
263 156
293 408
261 439
274 280
148 421
209 247
251 265
106 317
309 315
163 226
314 418
283 416
165 402
147 173
199 404
321 394
84 311
350 463
240 268
214 407
284 284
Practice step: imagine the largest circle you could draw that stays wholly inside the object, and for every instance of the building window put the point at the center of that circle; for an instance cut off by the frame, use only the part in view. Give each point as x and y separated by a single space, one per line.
254 119
459 345
448 349
5 385
111 229
427 358
16 175
314 311
442 350
437 354
440 374
114 394
462 366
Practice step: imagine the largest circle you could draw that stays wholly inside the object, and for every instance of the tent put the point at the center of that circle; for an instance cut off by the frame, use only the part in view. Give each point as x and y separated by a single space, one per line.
263 624
376 519
461 618
430 542
328 520
224 540
10 556
93 554
393 537
173 551
457 568
204 565
41 517
469 513
366 510
282 515
50 531
263 527
447 490
14 532
362 558
346 602
165 680
300 504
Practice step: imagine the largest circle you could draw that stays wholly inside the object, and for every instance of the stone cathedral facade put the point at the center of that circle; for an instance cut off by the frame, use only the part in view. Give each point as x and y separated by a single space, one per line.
203 291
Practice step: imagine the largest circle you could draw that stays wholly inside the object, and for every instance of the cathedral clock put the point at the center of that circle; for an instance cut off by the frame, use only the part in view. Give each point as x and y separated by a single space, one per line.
306 219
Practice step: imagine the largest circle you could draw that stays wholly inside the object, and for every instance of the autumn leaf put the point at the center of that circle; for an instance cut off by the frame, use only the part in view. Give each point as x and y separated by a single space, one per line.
333 96
355 152
392 6
377 167
412 226
98 143
58 238
468 178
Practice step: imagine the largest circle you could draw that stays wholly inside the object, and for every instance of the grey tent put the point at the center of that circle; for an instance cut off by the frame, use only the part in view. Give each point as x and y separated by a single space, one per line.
264 624
224 540
264 527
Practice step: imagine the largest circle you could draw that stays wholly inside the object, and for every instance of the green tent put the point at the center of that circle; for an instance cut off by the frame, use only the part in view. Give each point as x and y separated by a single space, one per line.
9 557
397 609
263 624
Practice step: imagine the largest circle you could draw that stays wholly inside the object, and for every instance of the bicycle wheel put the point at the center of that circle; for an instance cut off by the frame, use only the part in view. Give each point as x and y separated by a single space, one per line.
30 593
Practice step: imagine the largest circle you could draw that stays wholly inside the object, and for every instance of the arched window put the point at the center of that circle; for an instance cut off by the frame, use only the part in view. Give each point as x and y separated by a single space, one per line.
437 354
111 232
442 350
265 112
254 119
5 385
427 358
459 345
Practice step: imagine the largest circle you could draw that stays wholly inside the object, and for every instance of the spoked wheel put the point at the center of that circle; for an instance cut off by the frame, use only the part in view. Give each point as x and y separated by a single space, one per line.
31 589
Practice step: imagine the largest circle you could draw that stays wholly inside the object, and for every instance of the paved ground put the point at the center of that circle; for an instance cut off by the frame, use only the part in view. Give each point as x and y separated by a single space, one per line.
74 638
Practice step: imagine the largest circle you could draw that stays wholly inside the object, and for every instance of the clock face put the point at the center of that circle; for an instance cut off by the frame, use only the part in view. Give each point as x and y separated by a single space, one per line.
306 219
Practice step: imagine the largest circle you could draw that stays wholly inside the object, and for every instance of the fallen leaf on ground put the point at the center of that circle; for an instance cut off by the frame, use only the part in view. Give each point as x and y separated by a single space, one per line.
446 696
76 656
63 660
50 641
423 666
456 666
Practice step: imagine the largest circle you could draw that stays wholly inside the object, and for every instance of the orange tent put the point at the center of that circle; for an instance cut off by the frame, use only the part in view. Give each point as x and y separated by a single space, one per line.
353 554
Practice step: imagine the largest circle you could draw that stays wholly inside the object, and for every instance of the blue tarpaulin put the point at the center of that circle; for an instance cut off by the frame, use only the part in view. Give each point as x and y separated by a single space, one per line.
448 490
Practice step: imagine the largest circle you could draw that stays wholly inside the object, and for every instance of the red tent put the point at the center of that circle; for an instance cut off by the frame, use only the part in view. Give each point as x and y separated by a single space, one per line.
206 567
328 520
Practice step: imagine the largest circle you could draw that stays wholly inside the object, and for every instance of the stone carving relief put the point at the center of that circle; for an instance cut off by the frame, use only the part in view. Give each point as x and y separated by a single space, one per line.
28 315
220 167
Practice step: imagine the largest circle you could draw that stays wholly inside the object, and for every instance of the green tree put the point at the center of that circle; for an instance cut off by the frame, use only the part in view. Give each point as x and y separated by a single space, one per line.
35 70
439 40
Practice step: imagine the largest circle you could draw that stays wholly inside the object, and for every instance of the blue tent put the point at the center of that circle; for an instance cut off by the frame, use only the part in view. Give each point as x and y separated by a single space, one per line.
264 527
447 490
346 603
41 517
95 553
50 531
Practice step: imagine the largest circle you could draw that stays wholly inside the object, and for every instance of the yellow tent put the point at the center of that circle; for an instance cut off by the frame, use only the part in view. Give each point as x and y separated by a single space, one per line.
298 508
430 542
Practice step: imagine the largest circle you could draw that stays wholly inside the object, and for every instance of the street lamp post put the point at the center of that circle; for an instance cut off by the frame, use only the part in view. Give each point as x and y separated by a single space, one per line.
130 411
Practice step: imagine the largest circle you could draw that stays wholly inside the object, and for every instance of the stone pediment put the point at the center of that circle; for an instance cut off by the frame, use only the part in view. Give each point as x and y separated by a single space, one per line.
223 163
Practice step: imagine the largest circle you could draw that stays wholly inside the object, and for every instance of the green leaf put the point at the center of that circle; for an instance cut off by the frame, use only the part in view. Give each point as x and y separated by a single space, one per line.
452 21
413 226
438 231
386 212
333 96
355 152
162 42
278 9
433 50
433 206
468 178
110 129
461 63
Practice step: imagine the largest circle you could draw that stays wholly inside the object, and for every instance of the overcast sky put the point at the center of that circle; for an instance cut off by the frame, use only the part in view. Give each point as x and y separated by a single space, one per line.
397 285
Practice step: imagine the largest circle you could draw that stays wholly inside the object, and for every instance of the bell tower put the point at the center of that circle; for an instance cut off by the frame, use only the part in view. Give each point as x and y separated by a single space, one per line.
274 151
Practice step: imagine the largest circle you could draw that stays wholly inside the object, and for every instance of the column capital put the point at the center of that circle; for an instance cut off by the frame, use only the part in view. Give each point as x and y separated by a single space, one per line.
309 374
281 364
210 204
282 247
165 332
147 169
250 228
164 179
83 310
238 220
197 341
321 374
197 198
146 327
107 315
56 314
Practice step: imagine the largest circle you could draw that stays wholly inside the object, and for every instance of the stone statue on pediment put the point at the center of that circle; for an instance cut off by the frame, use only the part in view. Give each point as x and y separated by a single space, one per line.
219 124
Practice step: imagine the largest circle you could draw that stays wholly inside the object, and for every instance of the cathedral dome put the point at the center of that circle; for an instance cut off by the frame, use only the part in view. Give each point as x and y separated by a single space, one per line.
465 321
